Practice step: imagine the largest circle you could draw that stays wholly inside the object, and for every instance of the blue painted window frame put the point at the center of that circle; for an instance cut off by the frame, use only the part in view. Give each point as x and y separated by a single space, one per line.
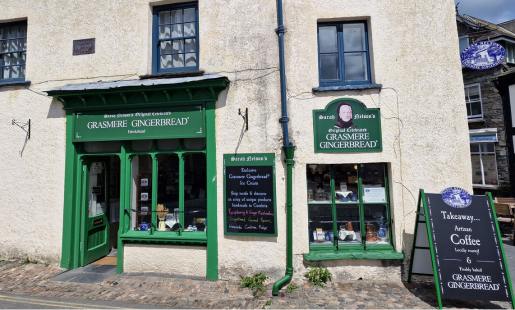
341 56
2 39
156 52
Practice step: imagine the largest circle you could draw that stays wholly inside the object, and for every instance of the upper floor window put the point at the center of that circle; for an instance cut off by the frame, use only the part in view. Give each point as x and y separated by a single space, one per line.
464 43
473 101
484 164
13 50
175 38
343 54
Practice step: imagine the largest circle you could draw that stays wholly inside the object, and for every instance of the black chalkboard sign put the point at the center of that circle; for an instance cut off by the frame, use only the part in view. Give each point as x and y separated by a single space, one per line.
249 195
466 252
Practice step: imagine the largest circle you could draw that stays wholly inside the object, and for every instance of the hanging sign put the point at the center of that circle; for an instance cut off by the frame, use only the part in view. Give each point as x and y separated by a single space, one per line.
137 124
457 240
249 195
483 55
346 125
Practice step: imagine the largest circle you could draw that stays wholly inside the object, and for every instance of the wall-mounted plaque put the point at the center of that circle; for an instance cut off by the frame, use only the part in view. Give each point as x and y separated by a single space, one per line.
249 195
346 125
83 47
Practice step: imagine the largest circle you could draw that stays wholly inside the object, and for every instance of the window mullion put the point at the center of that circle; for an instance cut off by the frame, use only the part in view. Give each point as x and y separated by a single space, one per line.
181 190
153 227
481 164
333 201
341 60
361 215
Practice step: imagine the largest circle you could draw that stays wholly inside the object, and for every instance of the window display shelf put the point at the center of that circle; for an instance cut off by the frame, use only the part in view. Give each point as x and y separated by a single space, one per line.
320 202
347 203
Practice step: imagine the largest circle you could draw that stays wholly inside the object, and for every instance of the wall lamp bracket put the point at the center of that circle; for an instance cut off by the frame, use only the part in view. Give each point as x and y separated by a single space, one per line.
245 117
24 126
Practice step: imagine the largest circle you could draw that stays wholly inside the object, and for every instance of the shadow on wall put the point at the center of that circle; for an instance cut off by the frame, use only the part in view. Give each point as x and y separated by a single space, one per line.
56 109
407 244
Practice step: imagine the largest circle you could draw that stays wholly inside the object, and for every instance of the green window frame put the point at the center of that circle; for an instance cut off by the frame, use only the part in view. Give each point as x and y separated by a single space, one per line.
330 211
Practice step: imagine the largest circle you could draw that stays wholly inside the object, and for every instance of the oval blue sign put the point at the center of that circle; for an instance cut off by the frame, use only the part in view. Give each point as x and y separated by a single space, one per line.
456 197
483 55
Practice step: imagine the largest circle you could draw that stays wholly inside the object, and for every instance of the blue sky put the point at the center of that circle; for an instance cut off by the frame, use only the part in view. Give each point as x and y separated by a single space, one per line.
494 11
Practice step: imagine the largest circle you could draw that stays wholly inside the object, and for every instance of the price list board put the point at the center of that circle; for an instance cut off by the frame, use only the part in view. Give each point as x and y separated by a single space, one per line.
249 195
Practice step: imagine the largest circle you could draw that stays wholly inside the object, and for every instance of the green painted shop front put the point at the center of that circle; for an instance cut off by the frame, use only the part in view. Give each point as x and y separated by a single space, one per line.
135 150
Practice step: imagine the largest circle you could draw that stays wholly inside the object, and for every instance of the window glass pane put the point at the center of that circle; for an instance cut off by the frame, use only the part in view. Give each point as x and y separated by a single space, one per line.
469 112
474 147
3 33
164 17
6 59
473 93
13 45
5 72
178 60
489 169
168 192
319 182
195 202
464 43
321 224
168 144
191 59
13 32
177 31
14 58
141 145
166 61
189 15
102 147
22 57
3 46
22 31
15 72
346 183
327 39
166 47
348 224
190 45
372 180
475 108
189 29
141 192
355 67
164 31
22 71
96 192
477 177
487 148
329 69
176 16
178 46
353 37
376 224
195 143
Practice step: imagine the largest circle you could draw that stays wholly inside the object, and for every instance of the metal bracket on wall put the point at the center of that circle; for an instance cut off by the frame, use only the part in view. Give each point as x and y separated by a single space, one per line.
245 117
24 126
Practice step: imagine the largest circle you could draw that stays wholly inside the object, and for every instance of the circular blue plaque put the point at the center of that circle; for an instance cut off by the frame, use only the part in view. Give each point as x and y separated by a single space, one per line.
456 197
483 55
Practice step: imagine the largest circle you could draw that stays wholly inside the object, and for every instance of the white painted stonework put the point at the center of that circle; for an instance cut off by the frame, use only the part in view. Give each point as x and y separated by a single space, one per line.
423 116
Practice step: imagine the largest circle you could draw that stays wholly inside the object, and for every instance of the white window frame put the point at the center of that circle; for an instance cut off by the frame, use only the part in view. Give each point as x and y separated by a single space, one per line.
468 101
481 153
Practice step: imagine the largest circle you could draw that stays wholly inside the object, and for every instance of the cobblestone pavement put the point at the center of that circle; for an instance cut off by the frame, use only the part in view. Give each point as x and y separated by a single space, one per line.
35 280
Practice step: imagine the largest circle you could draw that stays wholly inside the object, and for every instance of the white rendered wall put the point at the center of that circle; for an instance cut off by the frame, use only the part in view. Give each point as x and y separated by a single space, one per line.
414 55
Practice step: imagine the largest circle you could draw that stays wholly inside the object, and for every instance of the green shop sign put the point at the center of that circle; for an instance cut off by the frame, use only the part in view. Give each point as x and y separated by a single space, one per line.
346 125
135 124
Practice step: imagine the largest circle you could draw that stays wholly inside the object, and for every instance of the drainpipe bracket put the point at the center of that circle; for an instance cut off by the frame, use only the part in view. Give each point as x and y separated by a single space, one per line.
280 29
284 119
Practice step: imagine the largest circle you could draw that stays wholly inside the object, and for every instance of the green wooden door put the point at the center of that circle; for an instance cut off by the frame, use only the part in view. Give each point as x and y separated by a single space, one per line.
95 224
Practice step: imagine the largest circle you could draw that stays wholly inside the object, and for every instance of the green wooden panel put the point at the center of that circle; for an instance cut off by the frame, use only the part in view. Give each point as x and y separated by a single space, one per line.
362 133
332 255
134 124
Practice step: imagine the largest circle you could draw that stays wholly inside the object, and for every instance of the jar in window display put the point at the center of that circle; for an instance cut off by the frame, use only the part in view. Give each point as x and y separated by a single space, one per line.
371 235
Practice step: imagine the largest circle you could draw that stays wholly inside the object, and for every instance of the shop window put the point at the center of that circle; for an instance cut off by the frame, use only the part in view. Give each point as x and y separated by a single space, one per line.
168 186
13 51
175 36
473 101
484 164
343 54
348 207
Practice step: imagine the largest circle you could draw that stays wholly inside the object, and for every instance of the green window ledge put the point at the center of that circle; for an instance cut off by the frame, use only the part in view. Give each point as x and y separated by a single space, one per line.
165 237
333 255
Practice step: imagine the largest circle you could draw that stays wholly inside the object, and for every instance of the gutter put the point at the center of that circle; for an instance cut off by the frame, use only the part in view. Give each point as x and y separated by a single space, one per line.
289 151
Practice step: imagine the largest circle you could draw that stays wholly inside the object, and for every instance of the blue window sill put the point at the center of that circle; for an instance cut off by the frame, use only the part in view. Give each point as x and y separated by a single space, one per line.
14 83
353 254
347 87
